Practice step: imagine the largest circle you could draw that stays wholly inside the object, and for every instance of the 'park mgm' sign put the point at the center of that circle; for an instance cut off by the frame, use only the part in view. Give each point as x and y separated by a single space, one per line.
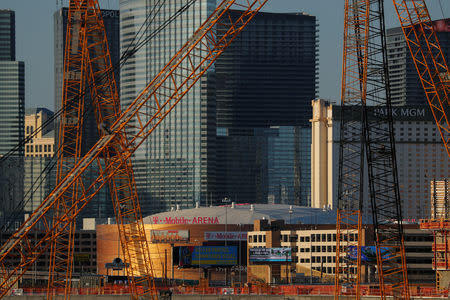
406 113
399 113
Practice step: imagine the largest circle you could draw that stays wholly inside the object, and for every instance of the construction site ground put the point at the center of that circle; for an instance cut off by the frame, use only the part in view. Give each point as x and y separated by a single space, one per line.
209 297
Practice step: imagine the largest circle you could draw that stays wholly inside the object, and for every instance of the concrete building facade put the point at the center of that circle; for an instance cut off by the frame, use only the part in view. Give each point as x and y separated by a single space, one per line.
321 155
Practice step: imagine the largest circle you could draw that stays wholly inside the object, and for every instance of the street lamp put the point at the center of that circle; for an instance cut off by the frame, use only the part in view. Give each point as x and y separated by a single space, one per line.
199 260
290 213
239 253
226 200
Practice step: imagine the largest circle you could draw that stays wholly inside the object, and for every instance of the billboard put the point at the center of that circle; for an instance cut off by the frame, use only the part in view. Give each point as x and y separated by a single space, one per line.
222 236
368 253
270 254
207 256
169 236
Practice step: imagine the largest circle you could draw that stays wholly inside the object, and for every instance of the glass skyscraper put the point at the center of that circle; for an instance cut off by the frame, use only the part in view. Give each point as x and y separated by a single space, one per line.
265 82
12 87
12 119
174 165
8 35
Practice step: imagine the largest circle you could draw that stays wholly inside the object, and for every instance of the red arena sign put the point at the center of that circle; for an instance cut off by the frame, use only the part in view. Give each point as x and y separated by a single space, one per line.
183 220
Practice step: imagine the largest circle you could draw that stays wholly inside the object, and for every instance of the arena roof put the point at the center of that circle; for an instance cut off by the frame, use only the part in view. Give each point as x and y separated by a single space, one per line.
244 214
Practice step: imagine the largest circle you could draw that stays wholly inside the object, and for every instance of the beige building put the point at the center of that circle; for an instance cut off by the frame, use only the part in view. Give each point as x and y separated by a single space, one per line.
313 249
42 143
321 155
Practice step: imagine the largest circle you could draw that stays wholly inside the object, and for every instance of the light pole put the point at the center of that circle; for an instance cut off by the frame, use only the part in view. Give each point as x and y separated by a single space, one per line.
199 259
240 264
226 200
290 214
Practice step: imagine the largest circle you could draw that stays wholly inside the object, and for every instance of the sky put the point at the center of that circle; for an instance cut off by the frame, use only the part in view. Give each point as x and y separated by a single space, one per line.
34 39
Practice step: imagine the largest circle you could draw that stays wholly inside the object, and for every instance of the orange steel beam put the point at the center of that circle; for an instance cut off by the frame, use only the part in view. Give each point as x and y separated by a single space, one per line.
69 142
163 93
429 60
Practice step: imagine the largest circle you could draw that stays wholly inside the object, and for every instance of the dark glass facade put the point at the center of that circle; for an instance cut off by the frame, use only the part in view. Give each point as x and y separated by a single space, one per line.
267 77
7 35
12 106
12 88
265 82
111 21
268 165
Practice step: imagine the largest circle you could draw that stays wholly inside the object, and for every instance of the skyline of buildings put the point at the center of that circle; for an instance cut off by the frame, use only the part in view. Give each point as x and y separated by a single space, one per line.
236 135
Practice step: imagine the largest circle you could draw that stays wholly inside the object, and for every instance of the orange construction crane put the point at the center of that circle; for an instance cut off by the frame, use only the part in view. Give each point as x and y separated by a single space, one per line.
87 59
160 97
429 60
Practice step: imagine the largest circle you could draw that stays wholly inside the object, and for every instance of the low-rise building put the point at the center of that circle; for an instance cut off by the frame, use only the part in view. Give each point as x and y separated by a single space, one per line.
313 251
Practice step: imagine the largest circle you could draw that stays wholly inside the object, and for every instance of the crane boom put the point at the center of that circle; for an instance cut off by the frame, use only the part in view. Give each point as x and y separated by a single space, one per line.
160 97
429 61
